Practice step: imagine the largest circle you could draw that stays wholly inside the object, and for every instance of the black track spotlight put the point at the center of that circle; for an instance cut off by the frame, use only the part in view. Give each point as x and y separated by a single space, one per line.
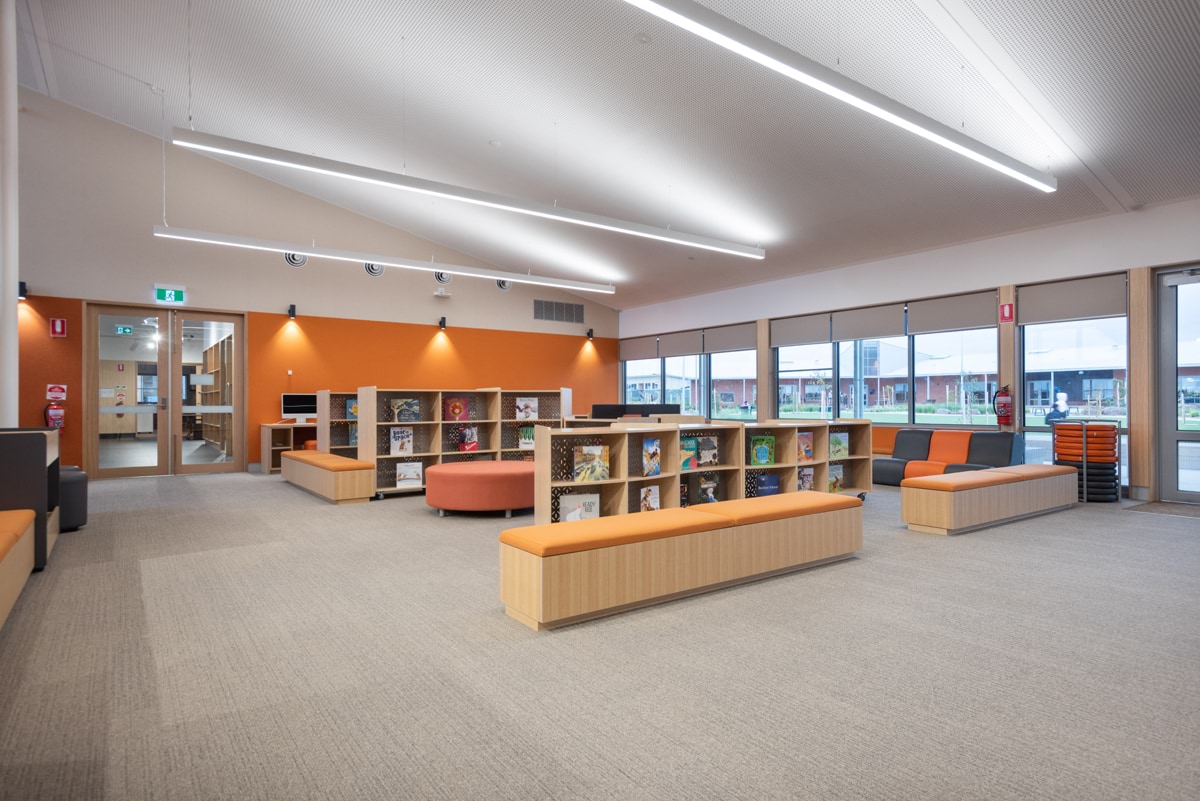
292 312
591 334
442 323
22 290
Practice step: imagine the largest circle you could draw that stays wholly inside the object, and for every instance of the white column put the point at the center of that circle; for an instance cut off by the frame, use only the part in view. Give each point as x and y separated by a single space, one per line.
9 274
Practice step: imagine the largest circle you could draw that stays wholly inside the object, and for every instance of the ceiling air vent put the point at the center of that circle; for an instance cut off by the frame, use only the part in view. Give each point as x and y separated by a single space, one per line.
373 269
558 312
295 259
443 278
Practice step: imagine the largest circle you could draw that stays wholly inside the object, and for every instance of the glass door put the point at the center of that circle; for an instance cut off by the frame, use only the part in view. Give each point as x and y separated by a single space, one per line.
1179 386
207 400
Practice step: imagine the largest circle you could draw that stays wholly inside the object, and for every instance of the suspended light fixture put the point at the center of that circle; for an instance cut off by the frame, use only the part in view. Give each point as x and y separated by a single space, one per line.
210 143
726 33
251 243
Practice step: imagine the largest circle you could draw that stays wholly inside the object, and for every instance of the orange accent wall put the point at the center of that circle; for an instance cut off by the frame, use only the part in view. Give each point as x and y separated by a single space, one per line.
52 361
341 355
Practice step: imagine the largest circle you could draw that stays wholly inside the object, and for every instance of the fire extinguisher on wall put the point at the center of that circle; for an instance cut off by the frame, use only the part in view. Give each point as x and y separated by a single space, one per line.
1002 406
56 415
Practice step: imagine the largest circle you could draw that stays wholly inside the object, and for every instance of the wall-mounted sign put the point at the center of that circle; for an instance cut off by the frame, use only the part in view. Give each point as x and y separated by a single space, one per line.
1006 312
120 367
56 392
58 327
123 330
169 295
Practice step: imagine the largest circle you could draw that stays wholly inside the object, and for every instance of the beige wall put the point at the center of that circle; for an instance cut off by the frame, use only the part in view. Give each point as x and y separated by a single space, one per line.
91 193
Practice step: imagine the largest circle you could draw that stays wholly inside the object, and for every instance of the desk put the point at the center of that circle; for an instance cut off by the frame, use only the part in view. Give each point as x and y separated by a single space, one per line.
29 480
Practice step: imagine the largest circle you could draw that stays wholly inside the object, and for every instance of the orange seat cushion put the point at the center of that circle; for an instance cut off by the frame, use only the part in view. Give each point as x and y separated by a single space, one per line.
1031 471
776 507
956 482
479 486
917 468
14 523
310 445
949 447
554 539
883 439
327 461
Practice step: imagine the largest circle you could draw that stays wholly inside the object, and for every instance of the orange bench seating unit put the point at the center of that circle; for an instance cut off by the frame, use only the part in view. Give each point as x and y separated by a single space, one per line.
957 502
16 556
479 487
334 478
553 575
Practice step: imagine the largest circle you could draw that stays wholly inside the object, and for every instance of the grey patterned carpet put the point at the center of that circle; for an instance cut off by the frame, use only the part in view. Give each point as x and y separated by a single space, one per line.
234 638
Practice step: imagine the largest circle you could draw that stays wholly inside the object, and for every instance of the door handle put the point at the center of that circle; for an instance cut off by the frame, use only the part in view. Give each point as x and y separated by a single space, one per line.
162 402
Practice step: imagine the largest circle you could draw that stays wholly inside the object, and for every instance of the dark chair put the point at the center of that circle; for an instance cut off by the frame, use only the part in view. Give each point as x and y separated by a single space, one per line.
992 449
911 443
73 499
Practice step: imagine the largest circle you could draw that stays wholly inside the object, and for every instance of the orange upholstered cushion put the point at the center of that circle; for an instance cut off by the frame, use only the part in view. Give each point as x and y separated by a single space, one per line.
13 525
883 439
310 444
949 447
327 461
917 468
604 532
1029 471
956 482
479 486
776 507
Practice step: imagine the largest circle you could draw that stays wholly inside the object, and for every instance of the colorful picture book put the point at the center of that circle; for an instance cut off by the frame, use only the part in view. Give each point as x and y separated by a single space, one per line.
836 478
409 475
405 410
804 446
839 444
651 456
401 441
468 438
650 499
352 434
762 450
527 408
689 450
710 490
456 408
578 506
351 408
683 494
591 463
806 478
766 484
525 438
708 455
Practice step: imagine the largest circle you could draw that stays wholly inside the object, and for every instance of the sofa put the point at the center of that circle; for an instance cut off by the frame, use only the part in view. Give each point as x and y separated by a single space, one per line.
928 452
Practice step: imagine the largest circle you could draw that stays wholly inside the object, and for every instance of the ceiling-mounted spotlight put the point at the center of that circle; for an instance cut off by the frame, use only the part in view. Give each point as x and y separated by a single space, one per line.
22 290
372 268
442 323
296 260
292 312
591 333
503 285
443 278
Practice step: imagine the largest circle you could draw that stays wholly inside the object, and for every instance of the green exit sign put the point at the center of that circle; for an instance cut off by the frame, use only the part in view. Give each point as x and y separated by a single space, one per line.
169 294
126 330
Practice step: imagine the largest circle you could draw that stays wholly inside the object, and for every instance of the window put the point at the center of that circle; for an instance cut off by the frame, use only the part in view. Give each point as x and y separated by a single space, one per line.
733 385
643 381
955 376
873 379
805 381
683 383
1078 369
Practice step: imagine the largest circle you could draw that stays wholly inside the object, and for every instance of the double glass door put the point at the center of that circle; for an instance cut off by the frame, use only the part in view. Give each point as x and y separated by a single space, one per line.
165 392
1179 385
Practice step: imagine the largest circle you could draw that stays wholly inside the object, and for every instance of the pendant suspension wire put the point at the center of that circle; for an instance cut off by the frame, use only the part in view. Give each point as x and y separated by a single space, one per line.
162 137
404 105
557 180
191 125
962 94
838 27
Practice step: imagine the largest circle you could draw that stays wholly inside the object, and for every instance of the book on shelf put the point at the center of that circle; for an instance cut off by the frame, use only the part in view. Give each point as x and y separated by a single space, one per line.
456 408
527 409
409 475
766 484
578 506
525 438
689 451
401 441
839 444
806 478
837 481
352 434
651 456
762 450
710 490
804 446
591 463
405 410
707 452
683 493
351 408
468 438
650 499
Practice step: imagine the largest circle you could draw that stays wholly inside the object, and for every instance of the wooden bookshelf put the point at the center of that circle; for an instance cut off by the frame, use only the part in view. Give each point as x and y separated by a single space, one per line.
217 428
279 437
551 409
856 465
727 471
337 423
818 464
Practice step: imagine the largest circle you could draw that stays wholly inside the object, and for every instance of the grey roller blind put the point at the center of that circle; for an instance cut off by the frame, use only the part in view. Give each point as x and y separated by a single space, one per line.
876 321
800 330
977 310
683 343
639 348
1079 299
730 337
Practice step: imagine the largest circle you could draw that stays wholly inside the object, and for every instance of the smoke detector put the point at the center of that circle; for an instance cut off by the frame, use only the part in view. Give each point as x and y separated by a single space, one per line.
441 292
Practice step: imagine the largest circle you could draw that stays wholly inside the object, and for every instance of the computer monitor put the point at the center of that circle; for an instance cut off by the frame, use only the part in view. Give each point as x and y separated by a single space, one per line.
299 405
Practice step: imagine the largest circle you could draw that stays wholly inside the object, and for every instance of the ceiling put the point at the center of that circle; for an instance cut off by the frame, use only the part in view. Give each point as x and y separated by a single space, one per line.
565 102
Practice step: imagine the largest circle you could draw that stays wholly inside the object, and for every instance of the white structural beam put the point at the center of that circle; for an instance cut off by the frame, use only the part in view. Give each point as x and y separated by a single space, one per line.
9 252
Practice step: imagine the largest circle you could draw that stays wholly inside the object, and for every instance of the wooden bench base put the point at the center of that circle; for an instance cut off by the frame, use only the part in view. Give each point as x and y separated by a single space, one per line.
939 512
546 592
15 569
347 486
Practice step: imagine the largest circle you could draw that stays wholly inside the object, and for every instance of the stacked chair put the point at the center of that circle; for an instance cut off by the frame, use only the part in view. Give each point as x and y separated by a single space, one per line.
1093 447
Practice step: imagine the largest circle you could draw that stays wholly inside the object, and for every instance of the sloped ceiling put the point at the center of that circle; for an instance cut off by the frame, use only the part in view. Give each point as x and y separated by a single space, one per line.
603 108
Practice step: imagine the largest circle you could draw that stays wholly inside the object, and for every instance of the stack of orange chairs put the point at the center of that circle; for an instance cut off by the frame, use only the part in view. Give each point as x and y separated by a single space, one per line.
1099 467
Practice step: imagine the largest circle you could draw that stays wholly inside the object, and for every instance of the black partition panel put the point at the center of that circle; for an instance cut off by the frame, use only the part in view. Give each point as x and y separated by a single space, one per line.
27 482
611 411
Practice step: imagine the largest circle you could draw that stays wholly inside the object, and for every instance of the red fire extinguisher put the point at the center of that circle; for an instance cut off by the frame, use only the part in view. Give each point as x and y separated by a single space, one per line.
56 415
1002 406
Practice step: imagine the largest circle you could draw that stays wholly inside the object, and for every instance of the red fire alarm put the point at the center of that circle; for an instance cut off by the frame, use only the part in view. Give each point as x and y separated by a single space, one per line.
58 327
1006 312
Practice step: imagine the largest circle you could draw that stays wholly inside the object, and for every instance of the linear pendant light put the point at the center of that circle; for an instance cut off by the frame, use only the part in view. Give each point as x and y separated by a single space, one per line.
286 158
251 243
726 33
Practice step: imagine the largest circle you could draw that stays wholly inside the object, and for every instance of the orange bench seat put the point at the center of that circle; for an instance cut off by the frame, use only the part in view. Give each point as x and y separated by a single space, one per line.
13 525
16 556
326 475
327 461
555 539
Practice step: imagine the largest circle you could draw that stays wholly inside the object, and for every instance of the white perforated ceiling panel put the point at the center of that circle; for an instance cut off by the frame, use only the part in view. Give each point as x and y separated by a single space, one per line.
674 131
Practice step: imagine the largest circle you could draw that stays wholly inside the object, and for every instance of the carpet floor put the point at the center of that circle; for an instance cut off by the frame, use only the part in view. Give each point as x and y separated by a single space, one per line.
231 637
1163 508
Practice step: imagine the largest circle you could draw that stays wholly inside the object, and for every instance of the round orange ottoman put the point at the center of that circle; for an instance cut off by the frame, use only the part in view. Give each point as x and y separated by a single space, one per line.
479 487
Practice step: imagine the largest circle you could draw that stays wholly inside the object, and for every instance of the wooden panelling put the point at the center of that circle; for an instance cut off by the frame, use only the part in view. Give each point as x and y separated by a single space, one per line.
15 568
1142 327
939 512
1009 363
767 379
347 486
